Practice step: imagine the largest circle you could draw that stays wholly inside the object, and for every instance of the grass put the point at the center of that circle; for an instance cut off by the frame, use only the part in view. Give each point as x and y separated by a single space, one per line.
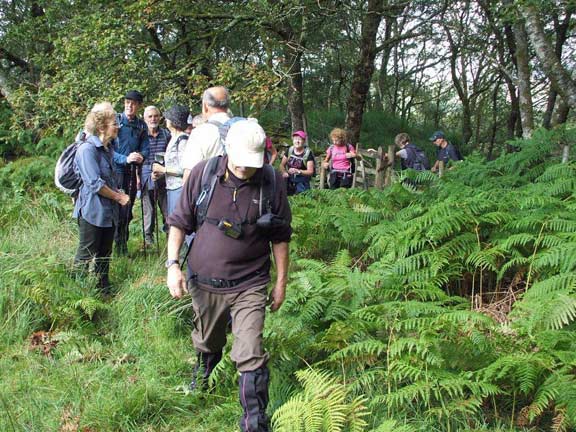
116 365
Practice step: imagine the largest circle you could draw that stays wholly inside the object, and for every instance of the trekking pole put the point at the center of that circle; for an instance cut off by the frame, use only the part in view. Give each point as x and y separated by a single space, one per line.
139 168
155 216
132 195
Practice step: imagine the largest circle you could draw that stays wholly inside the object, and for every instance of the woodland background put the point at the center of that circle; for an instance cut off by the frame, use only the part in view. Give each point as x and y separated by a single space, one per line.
448 306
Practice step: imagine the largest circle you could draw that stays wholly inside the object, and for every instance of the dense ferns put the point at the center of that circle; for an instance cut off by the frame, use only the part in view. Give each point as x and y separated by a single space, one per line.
448 305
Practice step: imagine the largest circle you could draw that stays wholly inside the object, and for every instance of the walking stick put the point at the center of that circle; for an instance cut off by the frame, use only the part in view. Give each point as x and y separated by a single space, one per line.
132 195
155 216
139 168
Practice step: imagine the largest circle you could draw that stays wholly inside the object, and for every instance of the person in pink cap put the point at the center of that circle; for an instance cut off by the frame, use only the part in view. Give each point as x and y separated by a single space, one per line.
297 166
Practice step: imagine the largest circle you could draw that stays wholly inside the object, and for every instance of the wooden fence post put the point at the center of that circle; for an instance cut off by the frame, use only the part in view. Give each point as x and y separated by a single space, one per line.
390 167
357 162
565 153
379 168
322 176
441 169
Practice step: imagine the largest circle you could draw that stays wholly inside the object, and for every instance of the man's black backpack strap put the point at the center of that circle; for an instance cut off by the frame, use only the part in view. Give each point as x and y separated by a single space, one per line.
267 190
209 179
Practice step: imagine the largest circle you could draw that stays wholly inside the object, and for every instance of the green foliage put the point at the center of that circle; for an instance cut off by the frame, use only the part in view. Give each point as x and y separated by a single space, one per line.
450 306
486 230
323 405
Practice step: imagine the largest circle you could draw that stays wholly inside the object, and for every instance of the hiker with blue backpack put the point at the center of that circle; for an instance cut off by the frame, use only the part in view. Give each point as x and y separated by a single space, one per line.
340 160
131 147
172 169
239 210
205 140
99 201
297 166
411 156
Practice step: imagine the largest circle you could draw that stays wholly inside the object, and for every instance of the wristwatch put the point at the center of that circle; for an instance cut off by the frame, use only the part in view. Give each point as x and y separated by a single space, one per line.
170 263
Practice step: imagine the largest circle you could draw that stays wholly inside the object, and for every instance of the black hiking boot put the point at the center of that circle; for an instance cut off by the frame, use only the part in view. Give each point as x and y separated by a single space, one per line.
205 364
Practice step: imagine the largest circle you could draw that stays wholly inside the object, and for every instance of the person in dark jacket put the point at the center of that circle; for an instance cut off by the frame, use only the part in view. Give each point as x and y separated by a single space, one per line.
99 200
229 263
130 150
446 151
411 156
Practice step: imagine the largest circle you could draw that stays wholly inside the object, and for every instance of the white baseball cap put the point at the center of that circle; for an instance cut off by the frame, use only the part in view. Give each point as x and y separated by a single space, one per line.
245 144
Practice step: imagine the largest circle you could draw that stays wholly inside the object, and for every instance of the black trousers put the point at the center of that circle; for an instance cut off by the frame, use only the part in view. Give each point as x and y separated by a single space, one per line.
338 179
95 243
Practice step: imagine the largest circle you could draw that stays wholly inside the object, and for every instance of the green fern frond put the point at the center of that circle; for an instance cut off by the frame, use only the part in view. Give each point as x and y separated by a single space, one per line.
565 282
561 257
393 426
562 312
366 351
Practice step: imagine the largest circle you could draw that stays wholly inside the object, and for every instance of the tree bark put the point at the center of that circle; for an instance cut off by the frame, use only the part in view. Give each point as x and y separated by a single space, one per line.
295 87
461 87
383 78
524 90
553 68
561 31
364 69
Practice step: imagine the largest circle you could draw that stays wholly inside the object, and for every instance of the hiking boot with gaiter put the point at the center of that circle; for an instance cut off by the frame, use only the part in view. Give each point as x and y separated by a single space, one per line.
254 400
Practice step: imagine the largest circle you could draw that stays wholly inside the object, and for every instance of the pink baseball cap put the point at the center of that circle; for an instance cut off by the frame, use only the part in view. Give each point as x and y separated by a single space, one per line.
301 134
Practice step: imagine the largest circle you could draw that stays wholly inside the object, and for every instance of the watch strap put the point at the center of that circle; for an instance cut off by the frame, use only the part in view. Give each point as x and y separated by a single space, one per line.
171 262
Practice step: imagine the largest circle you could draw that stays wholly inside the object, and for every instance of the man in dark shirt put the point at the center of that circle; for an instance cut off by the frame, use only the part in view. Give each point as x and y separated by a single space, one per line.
229 269
153 192
446 151
130 150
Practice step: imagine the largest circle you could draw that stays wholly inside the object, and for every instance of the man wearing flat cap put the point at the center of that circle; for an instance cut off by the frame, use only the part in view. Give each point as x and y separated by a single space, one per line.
130 150
446 151
229 262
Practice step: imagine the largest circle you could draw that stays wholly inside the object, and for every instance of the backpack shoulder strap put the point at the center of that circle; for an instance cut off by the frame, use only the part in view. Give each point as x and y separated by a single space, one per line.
267 190
207 185
331 151
180 138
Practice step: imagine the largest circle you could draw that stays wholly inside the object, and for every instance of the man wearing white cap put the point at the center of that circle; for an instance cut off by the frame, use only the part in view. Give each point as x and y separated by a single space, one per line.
236 220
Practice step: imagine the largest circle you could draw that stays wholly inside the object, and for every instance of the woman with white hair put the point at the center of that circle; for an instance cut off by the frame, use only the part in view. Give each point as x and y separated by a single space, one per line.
99 200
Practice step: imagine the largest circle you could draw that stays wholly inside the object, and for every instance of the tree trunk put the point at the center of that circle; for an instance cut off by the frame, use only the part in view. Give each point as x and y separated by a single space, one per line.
295 88
524 90
364 69
561 31
494 121
558 75
383 77
561 114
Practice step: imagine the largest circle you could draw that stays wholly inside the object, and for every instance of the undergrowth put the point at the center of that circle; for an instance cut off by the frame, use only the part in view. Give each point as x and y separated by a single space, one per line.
449 306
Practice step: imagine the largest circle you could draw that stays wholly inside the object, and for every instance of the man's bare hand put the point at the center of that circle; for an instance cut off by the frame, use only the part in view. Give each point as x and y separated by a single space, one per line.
277 296
134 157
175 281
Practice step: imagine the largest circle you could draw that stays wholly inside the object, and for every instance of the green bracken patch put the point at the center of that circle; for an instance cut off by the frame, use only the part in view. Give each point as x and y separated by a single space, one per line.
448 307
